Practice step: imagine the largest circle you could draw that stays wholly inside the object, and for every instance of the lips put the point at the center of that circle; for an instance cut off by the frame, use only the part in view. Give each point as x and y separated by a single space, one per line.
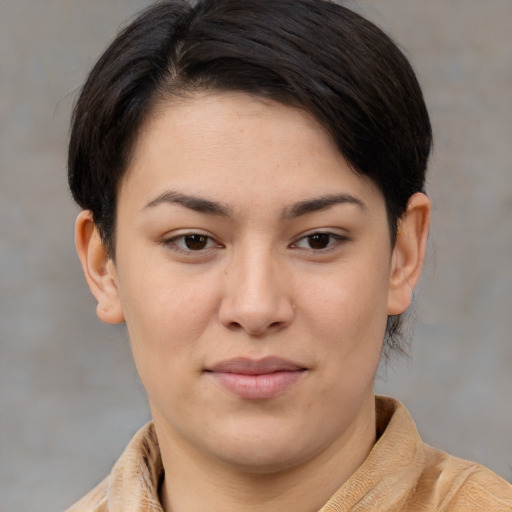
256 379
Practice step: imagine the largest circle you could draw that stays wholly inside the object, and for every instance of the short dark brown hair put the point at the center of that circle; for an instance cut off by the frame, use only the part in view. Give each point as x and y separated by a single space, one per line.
312 54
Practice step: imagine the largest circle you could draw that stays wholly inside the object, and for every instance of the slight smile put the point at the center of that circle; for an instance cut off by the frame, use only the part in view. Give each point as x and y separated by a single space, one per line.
256 379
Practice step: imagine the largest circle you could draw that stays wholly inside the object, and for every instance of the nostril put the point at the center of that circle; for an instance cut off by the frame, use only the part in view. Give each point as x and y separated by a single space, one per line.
255 330
255 314
234 326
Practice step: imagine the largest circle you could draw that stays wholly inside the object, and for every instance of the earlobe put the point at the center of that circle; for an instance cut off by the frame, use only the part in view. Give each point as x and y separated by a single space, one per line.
98 268
409 253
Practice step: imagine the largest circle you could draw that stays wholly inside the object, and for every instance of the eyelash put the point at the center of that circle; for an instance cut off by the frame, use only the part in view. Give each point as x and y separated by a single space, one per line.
179 243
334 240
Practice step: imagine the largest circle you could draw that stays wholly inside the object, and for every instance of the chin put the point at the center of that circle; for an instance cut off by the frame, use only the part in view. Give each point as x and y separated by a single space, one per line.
268 453
265 461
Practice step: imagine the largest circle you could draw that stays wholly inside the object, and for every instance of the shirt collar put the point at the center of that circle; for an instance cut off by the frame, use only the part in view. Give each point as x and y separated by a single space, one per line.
384 481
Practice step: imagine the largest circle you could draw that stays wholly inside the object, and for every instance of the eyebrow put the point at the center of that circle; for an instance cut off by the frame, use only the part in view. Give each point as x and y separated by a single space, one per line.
321 203
202 205
195 203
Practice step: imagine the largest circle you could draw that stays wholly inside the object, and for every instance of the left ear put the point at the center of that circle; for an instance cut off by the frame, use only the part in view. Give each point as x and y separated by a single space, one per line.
409 253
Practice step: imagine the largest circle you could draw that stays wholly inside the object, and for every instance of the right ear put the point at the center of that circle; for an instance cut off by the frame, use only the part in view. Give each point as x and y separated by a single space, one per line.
99 269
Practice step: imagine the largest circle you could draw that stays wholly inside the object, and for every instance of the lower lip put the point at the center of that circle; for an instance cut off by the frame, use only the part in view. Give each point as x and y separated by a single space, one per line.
257 387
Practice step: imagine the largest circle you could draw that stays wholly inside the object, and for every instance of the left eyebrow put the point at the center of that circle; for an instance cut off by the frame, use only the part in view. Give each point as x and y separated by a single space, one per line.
321 203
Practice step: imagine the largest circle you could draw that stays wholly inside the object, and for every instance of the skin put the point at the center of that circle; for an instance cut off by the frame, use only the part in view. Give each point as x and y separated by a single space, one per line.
241 275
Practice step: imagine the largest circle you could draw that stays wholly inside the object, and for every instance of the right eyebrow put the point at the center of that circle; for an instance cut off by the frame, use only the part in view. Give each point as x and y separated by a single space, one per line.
198 204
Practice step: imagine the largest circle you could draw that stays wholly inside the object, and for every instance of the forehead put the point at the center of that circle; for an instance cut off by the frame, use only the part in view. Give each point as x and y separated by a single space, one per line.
237 120
233 146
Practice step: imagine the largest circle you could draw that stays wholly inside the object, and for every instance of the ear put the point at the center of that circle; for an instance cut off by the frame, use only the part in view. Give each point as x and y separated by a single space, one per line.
409 253
99 269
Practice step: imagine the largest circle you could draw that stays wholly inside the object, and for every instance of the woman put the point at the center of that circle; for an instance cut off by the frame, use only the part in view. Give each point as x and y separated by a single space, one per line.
251 176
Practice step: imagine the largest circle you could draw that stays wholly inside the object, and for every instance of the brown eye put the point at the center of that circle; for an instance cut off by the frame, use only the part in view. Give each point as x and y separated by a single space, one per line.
319 240
195 242
192 242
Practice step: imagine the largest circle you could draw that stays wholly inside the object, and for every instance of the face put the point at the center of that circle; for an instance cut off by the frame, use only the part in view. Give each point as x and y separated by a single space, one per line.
253 271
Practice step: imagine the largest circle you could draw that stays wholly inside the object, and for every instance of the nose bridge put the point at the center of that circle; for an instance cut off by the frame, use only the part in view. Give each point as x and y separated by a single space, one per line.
257 276
256 297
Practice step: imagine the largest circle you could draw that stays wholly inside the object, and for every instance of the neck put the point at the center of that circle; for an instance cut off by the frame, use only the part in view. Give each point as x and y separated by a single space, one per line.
196 483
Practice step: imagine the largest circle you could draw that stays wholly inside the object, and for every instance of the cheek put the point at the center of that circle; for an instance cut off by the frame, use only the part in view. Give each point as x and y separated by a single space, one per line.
348 324
166 313
348 306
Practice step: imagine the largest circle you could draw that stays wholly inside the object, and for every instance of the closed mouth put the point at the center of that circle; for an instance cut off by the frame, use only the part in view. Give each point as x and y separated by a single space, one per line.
262 379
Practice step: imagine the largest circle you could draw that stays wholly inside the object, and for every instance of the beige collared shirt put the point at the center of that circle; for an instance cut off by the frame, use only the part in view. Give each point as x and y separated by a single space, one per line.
401 473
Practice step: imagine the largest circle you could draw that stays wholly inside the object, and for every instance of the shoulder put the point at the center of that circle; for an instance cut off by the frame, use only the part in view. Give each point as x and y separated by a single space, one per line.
452 484
94 501
133 482
423 478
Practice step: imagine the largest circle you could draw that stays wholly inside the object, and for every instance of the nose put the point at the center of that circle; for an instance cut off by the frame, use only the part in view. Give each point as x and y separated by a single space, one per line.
257 296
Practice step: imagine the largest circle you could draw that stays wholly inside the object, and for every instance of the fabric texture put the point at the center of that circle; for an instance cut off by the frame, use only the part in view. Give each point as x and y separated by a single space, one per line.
401 474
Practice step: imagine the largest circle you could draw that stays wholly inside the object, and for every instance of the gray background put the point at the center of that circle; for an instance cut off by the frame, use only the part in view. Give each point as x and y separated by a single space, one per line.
69 395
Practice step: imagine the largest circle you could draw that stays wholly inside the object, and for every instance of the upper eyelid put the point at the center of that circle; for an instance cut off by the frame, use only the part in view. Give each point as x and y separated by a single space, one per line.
167 240
334 245
328 231
186 232
179 233
321 231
